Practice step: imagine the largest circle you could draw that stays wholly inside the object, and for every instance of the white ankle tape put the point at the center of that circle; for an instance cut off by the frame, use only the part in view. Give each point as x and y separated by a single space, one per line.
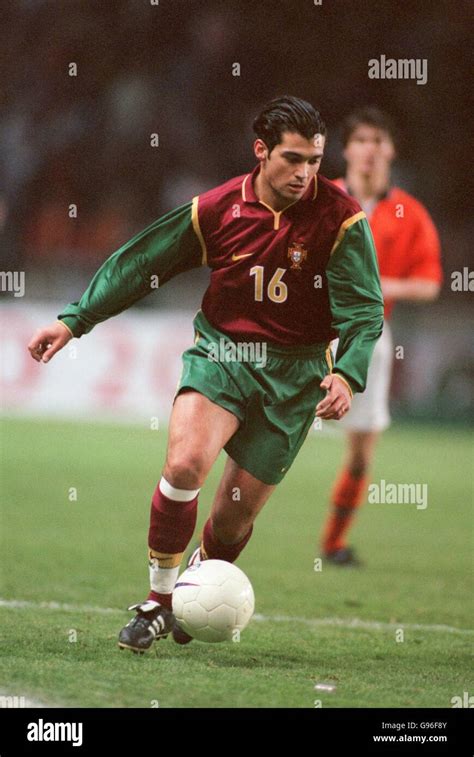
179 495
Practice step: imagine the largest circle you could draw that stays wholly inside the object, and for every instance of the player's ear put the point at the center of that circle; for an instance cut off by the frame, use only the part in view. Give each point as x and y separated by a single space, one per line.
260 149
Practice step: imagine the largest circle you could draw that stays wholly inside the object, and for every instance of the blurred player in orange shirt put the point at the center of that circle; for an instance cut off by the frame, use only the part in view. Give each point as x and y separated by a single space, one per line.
408 252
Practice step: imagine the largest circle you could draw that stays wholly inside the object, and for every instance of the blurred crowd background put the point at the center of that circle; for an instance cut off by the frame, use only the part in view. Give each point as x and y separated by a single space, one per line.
167 68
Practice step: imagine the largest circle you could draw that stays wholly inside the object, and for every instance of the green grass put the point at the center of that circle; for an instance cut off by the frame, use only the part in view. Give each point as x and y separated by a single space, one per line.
92 552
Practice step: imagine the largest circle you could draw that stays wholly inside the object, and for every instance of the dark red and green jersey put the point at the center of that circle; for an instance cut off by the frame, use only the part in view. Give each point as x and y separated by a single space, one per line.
300 276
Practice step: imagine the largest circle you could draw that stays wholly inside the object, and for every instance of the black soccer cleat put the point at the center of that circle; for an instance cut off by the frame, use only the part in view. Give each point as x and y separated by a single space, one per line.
345 557
151 623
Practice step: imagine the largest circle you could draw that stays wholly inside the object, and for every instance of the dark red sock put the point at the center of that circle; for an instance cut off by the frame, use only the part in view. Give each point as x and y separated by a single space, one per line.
171 523
214 549
162 599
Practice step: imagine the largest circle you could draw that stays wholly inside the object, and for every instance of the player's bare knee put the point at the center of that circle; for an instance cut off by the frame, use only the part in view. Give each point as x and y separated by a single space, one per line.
186 470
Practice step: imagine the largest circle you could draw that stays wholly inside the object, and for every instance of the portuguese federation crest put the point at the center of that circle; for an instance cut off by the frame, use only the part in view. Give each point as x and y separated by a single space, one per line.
297 253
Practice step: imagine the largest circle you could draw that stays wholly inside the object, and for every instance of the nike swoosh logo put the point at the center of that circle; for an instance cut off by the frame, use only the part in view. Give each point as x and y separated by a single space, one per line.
238 257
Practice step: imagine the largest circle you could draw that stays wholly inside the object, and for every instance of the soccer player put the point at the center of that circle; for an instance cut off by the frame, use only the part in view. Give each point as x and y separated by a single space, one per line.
408 252
292 265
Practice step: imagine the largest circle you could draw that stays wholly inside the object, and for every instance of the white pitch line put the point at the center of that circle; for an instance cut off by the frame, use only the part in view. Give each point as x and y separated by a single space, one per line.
370 625
349 623
26 604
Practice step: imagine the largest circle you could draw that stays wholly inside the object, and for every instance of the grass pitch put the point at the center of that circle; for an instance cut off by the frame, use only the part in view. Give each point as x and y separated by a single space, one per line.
395 633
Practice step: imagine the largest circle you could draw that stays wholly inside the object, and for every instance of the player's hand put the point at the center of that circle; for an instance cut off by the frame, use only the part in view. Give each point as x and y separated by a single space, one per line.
46 342
337 401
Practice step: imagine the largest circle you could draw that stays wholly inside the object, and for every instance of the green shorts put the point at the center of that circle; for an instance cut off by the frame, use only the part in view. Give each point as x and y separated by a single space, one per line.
272 390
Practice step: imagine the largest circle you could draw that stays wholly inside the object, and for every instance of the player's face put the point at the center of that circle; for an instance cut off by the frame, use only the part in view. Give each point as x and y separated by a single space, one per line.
369 150
291 164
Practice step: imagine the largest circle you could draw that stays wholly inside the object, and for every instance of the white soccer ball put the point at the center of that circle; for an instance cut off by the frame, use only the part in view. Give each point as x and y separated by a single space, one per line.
213 600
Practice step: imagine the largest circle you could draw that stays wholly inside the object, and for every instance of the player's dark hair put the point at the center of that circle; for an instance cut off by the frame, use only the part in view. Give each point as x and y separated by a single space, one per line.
287 114
368 116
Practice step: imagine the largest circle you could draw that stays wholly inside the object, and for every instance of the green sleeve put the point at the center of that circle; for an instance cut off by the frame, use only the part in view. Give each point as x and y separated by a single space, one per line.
164 249
356 302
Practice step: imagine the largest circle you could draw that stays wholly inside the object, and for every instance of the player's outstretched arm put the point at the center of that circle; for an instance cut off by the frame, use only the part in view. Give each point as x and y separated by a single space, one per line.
164 249
49 340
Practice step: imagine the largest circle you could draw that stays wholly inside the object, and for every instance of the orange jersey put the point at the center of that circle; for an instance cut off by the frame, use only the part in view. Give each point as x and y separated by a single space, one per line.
406 239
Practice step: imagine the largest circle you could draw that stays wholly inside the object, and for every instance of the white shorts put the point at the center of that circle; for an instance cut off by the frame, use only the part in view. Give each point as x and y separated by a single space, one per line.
370 410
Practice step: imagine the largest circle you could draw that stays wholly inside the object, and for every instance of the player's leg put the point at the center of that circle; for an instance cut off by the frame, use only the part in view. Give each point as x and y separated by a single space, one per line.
198 430
238 500
368 417
347 495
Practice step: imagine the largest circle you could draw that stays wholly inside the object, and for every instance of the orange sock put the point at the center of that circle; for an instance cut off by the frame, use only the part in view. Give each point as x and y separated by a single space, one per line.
346 497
